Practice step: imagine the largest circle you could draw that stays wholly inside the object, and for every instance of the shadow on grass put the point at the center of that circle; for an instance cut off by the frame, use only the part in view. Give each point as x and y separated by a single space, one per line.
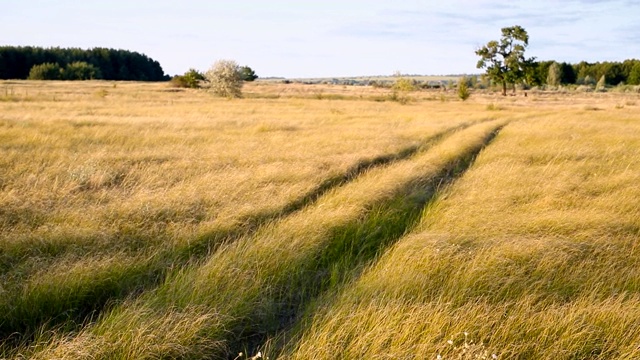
66 306
208 243
352 248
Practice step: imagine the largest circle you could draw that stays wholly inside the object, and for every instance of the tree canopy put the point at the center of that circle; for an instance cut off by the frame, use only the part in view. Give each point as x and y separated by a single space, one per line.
504 60
247 73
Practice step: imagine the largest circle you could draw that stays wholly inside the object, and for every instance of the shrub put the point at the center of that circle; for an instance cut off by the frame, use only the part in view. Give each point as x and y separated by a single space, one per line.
46 71
80 70
193 78
463 89
400 88
225 79
190 79
179 81
248 74
403 85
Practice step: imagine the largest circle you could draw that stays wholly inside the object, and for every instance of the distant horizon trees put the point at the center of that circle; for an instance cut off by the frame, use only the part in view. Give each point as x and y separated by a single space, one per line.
585 73
17 62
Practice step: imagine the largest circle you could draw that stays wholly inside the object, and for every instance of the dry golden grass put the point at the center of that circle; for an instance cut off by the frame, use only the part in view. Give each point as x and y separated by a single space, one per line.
250 278
533 253
175 164
220 212
115 182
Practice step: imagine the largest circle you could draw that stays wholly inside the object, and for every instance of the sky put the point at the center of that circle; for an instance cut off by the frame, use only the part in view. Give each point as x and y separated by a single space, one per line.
329 38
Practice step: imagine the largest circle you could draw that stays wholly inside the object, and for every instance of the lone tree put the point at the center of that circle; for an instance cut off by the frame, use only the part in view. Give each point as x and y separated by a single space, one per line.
504 59
225 78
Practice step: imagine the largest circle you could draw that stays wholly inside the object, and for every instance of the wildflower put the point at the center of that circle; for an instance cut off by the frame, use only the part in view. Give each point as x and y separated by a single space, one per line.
494 356
450 342
439 357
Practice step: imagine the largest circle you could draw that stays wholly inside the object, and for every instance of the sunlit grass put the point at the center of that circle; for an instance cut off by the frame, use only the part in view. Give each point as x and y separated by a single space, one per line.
532 253
143 179
137 221
251 284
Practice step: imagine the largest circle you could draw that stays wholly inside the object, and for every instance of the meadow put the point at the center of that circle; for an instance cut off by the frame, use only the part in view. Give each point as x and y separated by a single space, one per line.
139 221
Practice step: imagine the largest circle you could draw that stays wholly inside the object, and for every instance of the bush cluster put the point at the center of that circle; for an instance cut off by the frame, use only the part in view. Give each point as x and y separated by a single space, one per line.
78 70
191 79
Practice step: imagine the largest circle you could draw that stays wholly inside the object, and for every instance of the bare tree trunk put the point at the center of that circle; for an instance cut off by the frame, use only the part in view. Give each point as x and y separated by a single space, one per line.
504 88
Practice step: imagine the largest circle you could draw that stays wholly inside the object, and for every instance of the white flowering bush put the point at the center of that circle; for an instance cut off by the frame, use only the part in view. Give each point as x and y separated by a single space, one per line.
225 78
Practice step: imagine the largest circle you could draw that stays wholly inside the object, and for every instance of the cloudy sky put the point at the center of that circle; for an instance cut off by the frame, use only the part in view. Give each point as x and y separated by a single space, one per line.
295 38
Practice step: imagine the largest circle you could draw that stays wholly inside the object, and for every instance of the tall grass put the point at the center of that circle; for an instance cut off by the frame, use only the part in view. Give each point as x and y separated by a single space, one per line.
532 255
137 221
102 196
250 285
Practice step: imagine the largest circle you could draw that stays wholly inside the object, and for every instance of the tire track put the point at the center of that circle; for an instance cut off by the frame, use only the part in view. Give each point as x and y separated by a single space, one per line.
356 246
79 300
259 285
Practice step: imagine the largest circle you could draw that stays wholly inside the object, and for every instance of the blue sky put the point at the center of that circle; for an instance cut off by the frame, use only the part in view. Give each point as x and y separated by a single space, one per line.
326 38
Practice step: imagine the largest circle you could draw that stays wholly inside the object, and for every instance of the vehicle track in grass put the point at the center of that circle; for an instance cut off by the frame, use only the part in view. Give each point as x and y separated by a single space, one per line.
256 286
354 246
84 293
494 274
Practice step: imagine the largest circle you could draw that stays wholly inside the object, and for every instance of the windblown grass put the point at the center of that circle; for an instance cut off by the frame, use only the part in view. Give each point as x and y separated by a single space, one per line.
533 254
141 222
251 285
101 196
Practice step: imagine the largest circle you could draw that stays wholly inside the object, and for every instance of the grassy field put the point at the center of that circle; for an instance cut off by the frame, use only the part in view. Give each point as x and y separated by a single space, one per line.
316 221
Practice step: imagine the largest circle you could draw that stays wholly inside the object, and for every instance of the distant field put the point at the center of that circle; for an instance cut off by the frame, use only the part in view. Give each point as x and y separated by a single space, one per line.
139 221
390 78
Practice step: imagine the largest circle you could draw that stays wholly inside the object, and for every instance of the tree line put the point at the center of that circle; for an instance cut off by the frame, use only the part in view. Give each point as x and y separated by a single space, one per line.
17 62
584 73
